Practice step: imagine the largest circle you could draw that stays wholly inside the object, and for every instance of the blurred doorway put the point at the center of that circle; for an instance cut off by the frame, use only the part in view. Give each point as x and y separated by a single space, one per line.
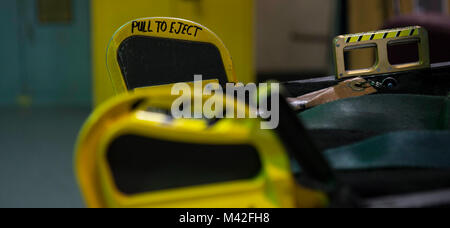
48 58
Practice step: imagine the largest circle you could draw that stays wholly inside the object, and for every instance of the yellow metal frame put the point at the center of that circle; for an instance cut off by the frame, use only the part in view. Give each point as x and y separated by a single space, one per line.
191 31
381 40
273 187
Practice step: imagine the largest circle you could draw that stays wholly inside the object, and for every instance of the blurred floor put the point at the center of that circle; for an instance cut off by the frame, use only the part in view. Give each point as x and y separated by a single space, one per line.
36 156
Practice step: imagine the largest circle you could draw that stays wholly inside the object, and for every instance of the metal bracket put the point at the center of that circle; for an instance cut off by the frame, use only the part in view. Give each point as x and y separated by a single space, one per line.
381 40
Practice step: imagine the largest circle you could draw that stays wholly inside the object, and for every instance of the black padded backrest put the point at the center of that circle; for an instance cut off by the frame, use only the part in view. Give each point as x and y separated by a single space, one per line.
151 61
140 164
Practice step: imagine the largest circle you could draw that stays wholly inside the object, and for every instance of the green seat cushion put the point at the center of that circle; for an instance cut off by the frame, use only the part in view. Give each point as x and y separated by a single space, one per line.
349 121
412 149
394 163
380 113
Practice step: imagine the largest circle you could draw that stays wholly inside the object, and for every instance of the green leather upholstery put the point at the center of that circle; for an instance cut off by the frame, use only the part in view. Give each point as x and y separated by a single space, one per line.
382 132
421 149
352 120
381 113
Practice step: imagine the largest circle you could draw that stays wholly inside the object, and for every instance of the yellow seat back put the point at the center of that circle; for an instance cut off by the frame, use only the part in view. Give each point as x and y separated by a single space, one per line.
132 153
161 51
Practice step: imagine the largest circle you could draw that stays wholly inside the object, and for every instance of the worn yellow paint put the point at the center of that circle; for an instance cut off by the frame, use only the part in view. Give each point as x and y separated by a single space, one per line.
381 40
232 20
354 39
366 37
405 33
392 34
378 36
383 34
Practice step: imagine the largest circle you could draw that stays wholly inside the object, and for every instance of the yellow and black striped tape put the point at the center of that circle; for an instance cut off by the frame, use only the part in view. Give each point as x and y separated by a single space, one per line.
384 34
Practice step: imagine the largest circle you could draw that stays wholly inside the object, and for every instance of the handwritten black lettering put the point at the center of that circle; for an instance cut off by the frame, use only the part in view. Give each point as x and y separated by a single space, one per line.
158 25
185 26
149 28
179 28
196 30
189 29
134 25
172 27
162 26
141 26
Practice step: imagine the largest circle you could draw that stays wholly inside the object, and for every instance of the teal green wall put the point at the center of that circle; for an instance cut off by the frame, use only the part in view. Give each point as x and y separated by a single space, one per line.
9 54
49 63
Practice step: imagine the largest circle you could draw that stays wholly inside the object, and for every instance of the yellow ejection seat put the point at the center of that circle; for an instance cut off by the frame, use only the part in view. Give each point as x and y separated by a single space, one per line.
160 51
133 153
